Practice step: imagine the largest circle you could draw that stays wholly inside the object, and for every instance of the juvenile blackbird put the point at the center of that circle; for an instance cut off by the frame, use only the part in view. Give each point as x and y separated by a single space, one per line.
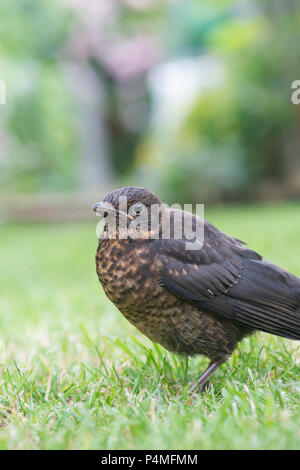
191 301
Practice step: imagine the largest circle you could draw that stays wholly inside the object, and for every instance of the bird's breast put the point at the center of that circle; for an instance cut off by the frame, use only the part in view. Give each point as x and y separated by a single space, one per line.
125 271
128 273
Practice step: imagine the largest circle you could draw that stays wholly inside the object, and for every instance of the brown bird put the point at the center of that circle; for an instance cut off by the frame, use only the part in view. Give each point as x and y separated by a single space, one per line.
191 301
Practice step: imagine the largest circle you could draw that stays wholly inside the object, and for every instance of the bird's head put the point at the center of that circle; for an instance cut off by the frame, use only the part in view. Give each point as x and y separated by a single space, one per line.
130 212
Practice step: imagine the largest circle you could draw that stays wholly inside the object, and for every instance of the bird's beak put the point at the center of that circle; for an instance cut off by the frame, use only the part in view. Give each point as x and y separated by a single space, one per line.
103 209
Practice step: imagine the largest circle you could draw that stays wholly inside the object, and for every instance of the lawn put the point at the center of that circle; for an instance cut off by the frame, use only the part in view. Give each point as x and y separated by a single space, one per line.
76 375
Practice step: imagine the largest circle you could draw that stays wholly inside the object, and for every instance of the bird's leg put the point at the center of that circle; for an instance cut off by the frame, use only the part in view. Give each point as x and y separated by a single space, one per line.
202 382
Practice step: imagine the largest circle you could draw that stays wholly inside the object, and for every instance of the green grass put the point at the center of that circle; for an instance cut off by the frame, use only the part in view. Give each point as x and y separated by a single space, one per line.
76 375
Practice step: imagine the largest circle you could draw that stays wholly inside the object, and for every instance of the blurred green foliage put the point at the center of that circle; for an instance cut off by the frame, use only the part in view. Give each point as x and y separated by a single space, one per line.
42 122
234 136
39 121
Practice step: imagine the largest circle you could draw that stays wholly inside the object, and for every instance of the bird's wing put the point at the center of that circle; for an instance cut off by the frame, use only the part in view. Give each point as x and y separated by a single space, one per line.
226 278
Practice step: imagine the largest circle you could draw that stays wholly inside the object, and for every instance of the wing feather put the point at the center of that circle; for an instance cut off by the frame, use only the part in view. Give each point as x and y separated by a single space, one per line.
226 278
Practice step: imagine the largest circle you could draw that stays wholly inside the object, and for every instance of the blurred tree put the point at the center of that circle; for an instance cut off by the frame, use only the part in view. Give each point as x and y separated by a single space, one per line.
117 40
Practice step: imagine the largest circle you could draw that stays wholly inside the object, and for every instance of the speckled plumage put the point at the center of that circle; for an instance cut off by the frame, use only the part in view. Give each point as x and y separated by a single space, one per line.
129 272
196 302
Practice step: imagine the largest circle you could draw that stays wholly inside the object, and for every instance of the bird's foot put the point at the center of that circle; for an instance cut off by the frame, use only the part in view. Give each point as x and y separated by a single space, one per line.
203 388
203 382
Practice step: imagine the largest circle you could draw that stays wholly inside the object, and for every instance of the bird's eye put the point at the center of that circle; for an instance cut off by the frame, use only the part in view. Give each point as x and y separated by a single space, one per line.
138 207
